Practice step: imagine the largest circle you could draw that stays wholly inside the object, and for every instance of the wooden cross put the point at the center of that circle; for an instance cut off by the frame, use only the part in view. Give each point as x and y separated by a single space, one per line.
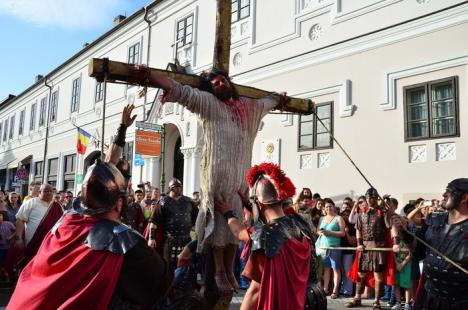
123 72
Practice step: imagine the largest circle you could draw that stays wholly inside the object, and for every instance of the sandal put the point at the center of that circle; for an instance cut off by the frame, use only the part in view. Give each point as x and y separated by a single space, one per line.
334 296
353 303
376 305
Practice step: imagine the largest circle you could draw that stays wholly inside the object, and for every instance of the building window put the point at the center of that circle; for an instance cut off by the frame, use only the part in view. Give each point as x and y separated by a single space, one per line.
240 10
21 123
312 134
53 106
75 99
1 128
99 92
69 172
38 170
12 127
184 32
32 121
52 172
431 110
5 130
42 111
127 154
134 54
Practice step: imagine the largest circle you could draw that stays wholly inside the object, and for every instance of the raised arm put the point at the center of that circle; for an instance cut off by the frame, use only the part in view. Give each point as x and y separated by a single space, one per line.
115 151
238 229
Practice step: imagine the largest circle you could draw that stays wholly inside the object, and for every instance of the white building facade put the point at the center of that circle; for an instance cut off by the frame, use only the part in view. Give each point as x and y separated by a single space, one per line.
389 78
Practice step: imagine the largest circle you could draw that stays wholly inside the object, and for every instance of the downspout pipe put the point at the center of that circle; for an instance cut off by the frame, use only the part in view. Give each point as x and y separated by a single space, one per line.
46 142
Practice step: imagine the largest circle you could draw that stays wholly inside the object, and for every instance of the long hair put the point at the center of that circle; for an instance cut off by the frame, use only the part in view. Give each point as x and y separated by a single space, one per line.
207 76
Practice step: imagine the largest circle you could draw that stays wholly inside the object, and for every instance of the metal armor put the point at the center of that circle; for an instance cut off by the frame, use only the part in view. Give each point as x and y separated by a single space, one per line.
443 280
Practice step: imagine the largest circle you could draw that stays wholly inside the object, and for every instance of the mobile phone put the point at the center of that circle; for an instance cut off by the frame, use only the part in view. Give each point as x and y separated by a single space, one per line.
427 203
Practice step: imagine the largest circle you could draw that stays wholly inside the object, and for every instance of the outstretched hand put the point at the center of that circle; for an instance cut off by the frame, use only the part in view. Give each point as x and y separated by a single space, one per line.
127 118
244 195
283 101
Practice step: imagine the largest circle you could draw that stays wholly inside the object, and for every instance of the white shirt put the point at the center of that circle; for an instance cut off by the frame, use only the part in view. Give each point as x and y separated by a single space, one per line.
32 212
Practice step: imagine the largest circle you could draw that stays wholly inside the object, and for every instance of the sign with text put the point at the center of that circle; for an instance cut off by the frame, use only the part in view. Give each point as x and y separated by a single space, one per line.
148 143
148 126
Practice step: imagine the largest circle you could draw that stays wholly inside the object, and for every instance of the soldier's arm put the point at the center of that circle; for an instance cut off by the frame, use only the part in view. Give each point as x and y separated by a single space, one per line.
115 151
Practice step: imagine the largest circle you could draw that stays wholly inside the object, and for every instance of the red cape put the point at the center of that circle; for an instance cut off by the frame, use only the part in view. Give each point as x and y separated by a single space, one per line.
285 276
19 257
388 273
66 274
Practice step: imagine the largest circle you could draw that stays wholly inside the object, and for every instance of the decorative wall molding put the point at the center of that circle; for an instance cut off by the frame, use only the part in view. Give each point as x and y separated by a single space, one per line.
271 151
346 108
392 35
446 151
323 160
340 16
417 153
392 77
306 161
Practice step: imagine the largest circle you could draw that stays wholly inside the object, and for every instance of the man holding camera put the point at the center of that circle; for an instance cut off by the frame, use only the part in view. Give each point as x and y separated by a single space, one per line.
445 285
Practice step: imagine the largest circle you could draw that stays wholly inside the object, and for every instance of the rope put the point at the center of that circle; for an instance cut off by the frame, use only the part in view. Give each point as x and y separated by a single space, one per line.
387 207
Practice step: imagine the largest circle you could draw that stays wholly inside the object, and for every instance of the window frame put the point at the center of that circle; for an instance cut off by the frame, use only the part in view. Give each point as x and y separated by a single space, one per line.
11 133
5 129
38 175
42 111
98 92
32 119
314 129
53 106
239 10
21 122
428 90
135 56
75 95
184 42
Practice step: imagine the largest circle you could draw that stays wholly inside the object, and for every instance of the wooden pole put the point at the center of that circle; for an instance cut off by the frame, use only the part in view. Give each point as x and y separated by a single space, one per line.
124 72
222 48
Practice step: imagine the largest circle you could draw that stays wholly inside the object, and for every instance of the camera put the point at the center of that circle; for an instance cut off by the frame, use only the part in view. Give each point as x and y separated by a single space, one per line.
427 203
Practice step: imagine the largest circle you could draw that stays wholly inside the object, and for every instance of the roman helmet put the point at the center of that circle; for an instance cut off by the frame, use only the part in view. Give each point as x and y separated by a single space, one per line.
103 185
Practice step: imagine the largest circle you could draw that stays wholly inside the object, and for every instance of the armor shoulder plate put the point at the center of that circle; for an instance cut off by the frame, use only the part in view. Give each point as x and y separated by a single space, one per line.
112 236
273 236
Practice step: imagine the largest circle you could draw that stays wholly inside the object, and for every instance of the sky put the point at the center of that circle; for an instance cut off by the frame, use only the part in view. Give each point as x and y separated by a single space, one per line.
36 36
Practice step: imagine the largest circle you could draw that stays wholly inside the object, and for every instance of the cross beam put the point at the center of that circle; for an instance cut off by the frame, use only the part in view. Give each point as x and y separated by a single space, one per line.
124 72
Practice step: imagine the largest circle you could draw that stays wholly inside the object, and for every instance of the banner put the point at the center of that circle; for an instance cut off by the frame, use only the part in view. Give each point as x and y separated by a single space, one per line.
148 143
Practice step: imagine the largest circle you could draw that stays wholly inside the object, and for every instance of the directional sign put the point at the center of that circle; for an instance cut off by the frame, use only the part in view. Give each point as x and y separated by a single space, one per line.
148 126
138 161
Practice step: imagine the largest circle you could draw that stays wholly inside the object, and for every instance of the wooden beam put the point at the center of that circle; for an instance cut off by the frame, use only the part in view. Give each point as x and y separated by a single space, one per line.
124 72
222 47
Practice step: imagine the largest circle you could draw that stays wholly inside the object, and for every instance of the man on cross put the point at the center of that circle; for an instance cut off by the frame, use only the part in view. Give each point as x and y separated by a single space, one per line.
230 124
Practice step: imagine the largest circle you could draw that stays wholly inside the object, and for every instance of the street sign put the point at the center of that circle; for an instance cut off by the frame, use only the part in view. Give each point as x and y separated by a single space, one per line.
147 143
148 126
22 174
138 161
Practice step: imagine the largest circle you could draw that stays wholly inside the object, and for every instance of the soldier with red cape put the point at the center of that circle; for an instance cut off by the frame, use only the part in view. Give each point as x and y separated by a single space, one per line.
281 267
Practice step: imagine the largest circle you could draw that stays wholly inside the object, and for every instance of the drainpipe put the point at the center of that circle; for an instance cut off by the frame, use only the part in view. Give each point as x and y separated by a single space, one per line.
47 130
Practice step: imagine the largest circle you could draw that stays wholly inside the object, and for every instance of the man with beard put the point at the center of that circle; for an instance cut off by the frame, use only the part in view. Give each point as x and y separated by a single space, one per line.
281 267
371 231
90 260
443 285
175 215
230 124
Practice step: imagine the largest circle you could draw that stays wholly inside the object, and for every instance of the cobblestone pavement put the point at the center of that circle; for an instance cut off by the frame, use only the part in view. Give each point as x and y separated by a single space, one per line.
332 304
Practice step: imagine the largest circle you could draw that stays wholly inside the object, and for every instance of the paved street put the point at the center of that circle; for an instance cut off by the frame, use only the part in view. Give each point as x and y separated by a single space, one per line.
332 304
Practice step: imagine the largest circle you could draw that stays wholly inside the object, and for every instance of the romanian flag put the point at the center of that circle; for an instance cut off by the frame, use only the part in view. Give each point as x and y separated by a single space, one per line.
82 141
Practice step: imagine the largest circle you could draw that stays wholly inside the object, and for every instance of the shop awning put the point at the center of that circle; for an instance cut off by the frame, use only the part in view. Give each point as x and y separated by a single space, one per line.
20 161
6 160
